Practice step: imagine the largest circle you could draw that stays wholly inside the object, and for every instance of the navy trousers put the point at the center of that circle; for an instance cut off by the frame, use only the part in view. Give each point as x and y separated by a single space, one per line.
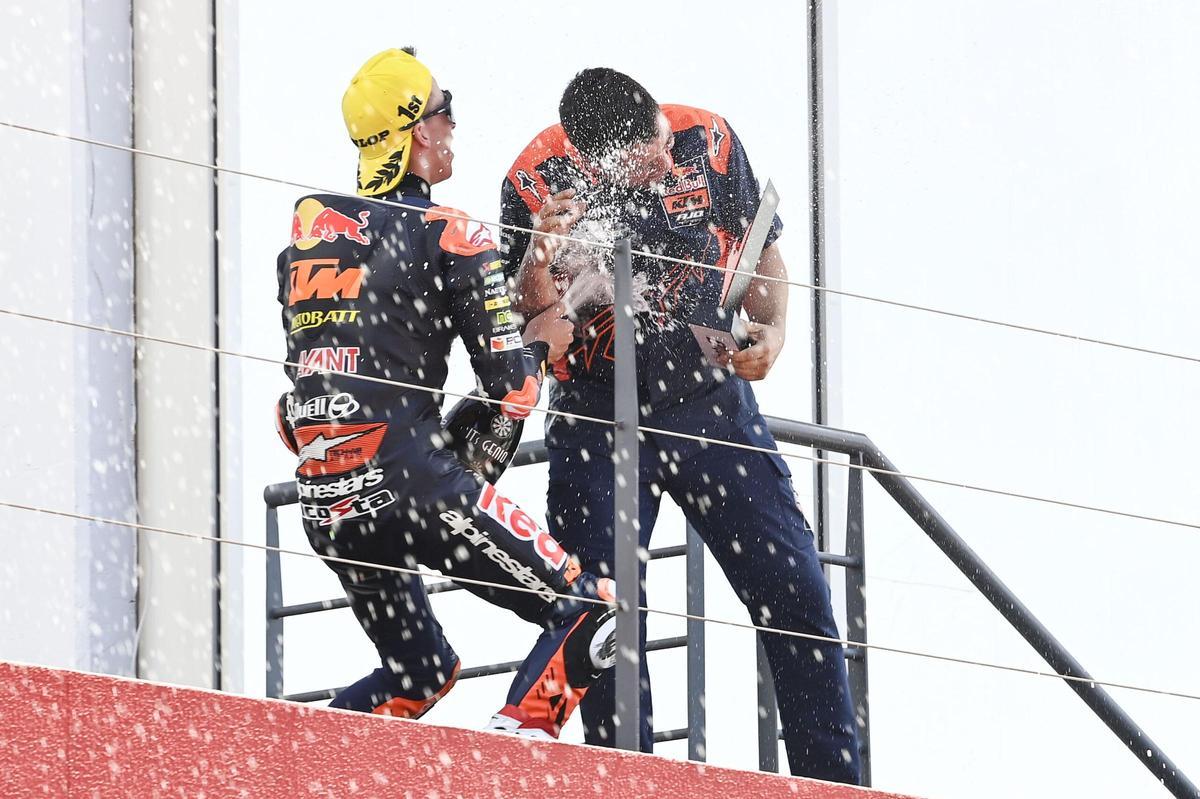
742 505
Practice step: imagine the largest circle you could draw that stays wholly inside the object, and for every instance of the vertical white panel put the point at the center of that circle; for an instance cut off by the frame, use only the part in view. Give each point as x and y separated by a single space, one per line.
173 114
232 419
66 588
105 468
834 416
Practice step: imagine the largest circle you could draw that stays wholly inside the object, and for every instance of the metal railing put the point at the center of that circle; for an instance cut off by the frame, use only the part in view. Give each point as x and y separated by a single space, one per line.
864 456
283 494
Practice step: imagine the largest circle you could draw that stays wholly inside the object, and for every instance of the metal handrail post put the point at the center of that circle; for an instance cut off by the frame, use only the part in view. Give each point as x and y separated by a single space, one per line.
856 612
768 710
818 265
274 590
625 505
695 647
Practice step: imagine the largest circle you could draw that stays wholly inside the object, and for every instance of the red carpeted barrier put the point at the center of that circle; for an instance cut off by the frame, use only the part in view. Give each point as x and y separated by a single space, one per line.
67 734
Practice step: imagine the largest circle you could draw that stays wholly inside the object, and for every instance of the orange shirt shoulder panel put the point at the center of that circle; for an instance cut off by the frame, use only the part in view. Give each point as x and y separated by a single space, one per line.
524 174
716 131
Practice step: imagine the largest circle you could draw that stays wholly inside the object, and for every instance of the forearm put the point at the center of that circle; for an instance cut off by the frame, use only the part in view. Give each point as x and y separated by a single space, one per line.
535 288
766 301
766 305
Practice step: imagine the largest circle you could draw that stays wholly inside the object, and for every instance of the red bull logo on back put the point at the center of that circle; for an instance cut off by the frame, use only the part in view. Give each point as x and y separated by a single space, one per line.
313 222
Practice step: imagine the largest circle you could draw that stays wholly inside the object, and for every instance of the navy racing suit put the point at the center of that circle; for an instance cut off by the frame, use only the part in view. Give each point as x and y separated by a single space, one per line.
371 292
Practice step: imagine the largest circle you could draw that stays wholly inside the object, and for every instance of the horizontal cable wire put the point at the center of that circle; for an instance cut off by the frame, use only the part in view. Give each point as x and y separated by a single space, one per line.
604 245
276 362
522 589
1009 325
610 423
922 478
701 439
742 625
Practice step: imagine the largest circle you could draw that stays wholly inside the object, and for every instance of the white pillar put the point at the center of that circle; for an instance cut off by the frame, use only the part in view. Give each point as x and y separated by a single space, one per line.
177 392
834 368
229 299
67 587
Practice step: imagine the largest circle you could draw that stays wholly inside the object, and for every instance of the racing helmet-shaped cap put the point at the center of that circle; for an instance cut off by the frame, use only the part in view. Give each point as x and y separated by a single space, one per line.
386 98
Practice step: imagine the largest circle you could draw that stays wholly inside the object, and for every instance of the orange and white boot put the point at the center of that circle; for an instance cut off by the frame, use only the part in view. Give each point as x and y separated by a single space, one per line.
566 660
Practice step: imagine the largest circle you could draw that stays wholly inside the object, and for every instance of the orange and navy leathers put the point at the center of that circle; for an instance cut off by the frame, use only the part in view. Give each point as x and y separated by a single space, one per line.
379 291
740 502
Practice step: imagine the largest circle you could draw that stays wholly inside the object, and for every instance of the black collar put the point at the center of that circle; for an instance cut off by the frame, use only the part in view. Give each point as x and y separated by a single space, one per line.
409 186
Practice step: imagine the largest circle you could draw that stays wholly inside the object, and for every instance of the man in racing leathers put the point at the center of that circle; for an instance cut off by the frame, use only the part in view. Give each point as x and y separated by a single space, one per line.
677 182
371 290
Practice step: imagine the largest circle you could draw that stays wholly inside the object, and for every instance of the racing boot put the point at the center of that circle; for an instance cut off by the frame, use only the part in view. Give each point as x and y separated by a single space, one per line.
578 644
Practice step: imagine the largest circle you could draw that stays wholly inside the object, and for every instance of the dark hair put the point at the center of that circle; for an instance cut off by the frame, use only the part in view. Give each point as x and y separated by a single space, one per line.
602 110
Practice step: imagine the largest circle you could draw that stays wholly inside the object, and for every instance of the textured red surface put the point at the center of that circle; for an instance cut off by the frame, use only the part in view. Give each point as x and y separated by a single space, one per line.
65 734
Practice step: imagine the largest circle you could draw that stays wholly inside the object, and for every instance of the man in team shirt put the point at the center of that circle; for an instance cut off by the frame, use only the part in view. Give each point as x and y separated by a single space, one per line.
676 181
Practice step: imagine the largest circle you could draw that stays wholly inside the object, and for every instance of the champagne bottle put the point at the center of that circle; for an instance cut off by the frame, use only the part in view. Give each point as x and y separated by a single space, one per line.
483 438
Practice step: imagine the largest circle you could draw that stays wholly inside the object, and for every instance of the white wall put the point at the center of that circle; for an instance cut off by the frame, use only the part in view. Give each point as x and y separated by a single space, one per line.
1035 163
506 74
71 593
67 588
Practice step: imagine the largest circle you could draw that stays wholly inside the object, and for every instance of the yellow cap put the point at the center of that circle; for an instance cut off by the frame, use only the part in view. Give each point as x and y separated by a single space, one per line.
385 99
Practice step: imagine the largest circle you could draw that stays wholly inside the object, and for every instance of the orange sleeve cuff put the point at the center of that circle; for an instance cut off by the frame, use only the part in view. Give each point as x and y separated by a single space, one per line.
511 405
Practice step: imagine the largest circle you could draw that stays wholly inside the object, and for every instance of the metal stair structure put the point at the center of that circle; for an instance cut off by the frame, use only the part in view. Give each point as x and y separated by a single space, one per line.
864 458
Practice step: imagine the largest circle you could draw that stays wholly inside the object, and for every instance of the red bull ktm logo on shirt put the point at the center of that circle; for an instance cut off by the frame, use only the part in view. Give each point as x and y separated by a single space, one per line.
313 223
322 279
685 197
